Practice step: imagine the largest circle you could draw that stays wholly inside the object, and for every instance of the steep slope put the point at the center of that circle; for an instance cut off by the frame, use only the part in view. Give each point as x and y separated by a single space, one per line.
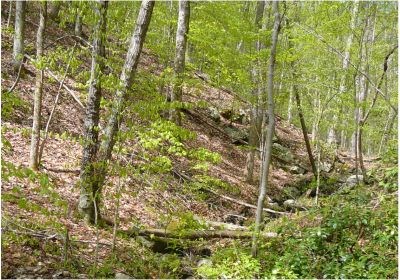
46 201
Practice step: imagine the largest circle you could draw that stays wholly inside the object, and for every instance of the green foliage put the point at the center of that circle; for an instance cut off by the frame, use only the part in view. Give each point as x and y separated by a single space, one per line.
351 237
11 102
230 264
184 222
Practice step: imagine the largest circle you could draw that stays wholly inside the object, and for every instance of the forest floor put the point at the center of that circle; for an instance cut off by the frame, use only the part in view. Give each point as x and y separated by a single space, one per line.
38 208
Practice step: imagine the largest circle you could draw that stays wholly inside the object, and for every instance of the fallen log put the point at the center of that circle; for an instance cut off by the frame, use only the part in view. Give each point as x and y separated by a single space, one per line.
197 234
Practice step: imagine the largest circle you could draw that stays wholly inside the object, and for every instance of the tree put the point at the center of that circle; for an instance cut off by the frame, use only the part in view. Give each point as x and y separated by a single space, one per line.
37 101
256 110
87 201
18 49
332 134
91 123
179 62
267 146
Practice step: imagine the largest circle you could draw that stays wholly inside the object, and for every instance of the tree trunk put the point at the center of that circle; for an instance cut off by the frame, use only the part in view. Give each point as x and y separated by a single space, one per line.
78 24
112 127
92 115
294 90
388 129
362 94
267 148
179 62
332 137
37 100
18 49
303 125
255 117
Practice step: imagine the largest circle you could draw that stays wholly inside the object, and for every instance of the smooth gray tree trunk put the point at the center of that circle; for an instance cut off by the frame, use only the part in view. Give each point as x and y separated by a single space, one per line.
256 110
267 147
37 99
92 116
112 127
179 62
18 48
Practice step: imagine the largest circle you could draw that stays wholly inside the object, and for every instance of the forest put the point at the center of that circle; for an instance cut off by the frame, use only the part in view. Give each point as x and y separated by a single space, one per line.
199 139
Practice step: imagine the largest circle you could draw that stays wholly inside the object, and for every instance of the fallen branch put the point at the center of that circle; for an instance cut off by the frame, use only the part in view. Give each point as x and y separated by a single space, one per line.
188 178
57 170
54 76
245 203
198 234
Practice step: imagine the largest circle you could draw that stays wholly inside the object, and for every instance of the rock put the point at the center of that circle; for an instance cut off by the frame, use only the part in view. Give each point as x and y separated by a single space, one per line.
289 202
120 275
282 153
292 192
244 116
202 262
237 135
214 114
352 180
297 170
326 167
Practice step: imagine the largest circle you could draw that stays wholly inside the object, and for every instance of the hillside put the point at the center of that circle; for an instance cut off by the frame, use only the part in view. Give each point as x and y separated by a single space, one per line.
198 186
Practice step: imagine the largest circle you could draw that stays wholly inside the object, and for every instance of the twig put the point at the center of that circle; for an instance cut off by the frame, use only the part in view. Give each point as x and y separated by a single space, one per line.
54 106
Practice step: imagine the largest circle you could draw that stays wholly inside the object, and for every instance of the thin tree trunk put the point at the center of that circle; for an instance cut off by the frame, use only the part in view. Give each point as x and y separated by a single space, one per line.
179 62
332 137
92 115
18 49
294 90
9 13
387 131
78 24
41 149
37 101
255 117
290 105
303 125
267 148
99 167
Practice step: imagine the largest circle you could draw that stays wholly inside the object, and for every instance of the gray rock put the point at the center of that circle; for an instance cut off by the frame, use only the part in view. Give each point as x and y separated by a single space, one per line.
204 262
297 170
120 275
214 114
236 134
352 180
289 202
292 192
326 167
283 153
